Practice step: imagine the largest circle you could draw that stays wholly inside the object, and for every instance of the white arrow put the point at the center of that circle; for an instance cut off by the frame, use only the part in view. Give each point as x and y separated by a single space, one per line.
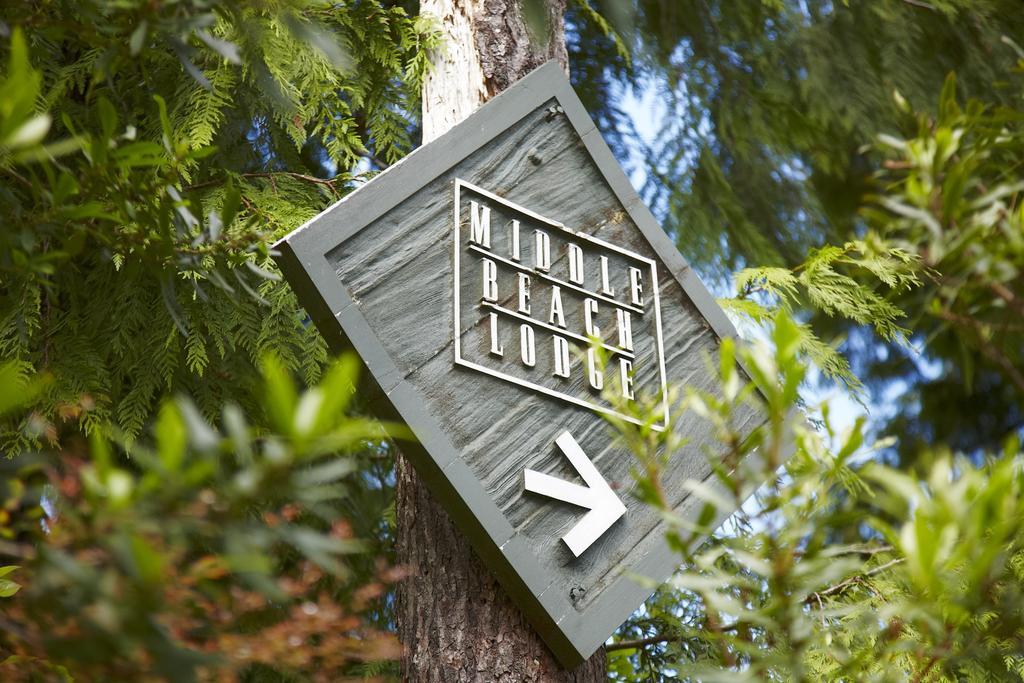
604 507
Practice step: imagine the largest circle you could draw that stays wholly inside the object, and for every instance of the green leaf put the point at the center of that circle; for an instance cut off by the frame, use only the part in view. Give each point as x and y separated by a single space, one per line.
165 124
108 118
326 473
29 133
229 207
171 437
323 41
19 390
8 588
138 37
948 108
224 48
281 398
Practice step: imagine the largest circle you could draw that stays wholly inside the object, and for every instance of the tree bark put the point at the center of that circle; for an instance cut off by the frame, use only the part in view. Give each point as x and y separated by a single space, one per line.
488 47
455 622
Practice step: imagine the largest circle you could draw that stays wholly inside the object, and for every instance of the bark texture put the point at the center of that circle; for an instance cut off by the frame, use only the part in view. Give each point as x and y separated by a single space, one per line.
489 46
456 623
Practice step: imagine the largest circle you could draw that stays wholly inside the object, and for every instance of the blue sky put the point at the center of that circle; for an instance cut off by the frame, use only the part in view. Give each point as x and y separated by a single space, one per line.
648 111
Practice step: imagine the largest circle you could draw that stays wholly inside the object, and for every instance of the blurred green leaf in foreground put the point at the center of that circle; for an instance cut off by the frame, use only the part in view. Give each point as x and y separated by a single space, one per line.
197 551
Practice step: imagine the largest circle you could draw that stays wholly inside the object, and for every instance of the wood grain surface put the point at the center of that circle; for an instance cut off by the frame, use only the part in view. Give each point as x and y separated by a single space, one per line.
399 271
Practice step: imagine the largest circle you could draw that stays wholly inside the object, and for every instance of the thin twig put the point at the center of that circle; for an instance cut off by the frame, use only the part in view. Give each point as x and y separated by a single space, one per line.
1008 296
642 642
857 579
934 659
657 640
381 164
987 348
23 180
327 182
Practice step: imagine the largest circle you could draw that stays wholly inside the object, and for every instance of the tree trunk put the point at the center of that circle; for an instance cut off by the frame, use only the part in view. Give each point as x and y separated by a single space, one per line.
455 622
488 47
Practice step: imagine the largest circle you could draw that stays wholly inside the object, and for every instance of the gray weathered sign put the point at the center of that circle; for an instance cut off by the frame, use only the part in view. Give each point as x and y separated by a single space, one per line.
507 288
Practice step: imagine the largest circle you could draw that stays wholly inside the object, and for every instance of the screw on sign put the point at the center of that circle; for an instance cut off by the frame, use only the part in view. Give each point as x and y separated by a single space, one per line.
508 290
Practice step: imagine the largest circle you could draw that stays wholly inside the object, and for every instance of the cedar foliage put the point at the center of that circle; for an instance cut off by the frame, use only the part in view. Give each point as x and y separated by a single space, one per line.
162 148
150 154
768 106
930 588
202 553
837 567
761 149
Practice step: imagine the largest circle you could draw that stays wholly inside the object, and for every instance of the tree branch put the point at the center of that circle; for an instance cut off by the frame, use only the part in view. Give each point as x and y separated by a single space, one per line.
658 640
1008 296
327 182
642 642
21 179
842 585
987 348
381 164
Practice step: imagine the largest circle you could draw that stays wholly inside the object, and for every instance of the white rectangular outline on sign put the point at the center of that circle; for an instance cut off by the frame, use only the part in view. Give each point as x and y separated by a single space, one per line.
457 329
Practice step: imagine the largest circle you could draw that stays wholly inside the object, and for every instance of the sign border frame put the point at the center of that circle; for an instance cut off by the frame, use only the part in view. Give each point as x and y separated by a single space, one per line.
456 309
302 256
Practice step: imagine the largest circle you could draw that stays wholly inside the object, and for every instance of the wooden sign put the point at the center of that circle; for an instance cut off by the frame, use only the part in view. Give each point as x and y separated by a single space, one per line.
507 289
